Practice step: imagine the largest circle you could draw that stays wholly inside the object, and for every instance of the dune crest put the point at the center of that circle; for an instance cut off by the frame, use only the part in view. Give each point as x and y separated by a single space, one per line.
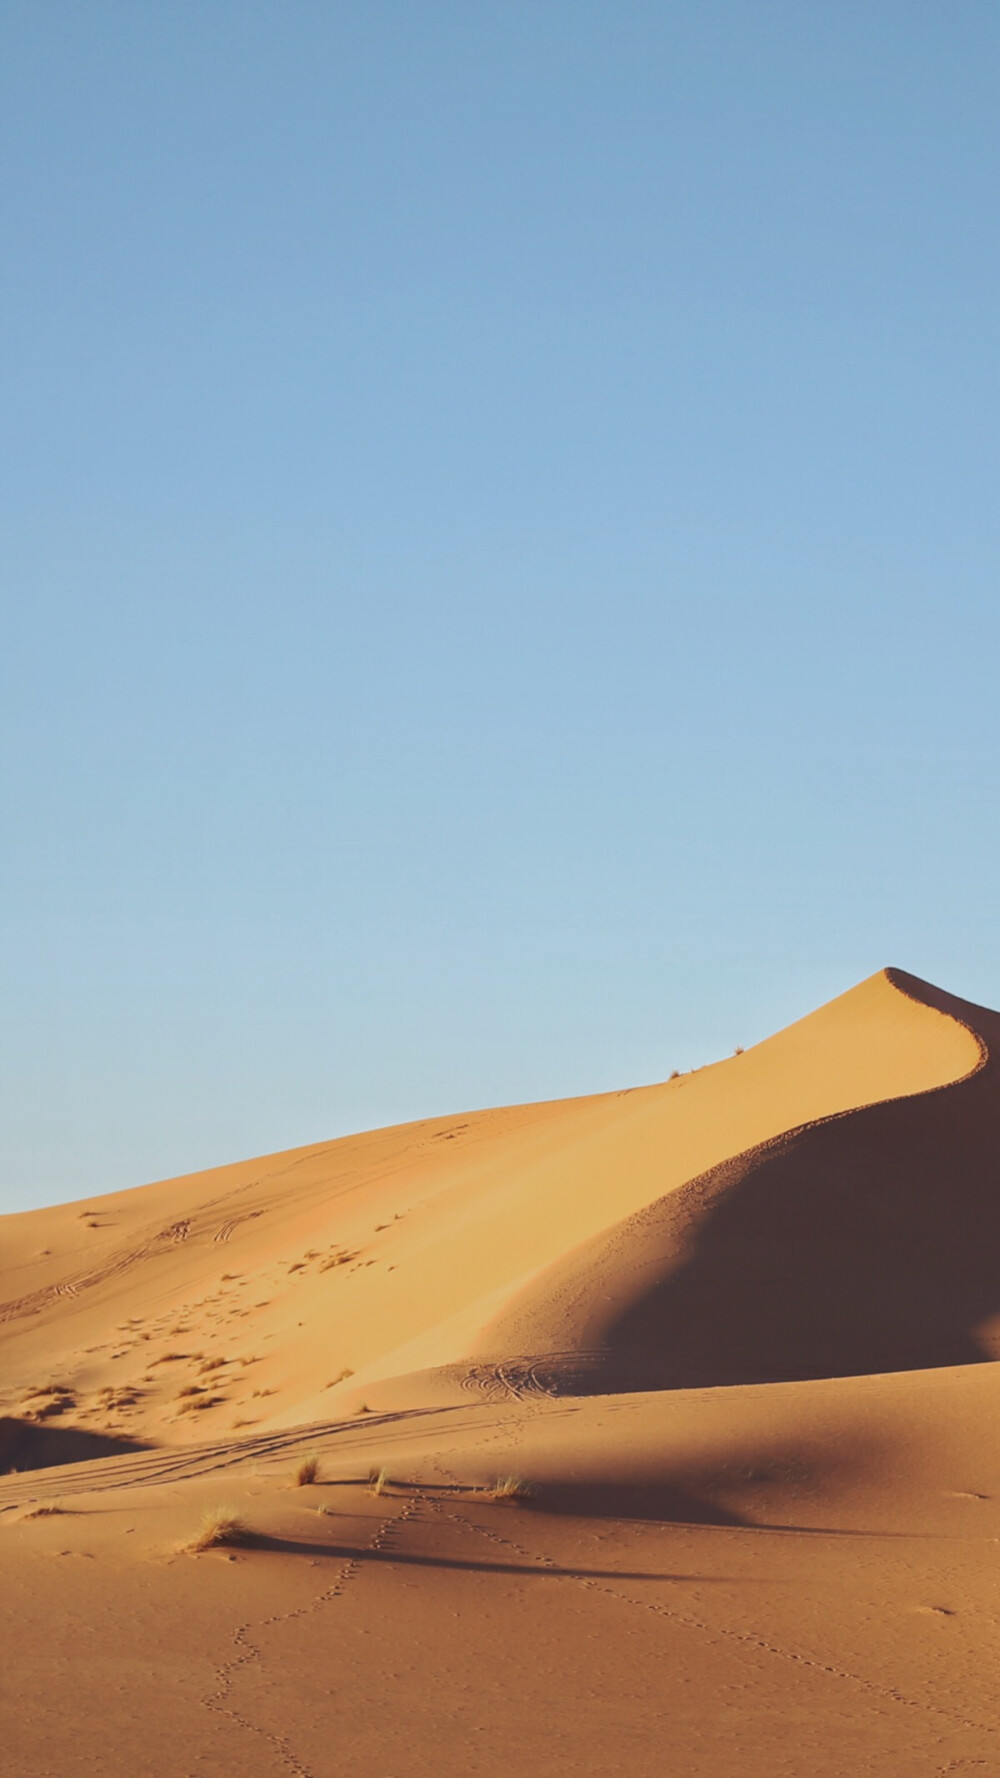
862 1241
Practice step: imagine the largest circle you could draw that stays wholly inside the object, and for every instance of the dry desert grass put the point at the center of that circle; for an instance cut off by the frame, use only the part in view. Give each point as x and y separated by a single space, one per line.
221 1526
509 1487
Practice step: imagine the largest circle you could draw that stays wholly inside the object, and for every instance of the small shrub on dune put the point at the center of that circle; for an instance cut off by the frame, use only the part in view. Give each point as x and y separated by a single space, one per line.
378 1481
221 1528
50 1408
509 1487
307 1471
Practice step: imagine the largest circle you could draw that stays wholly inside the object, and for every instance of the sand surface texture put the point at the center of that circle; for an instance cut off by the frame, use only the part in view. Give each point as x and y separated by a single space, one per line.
653 1432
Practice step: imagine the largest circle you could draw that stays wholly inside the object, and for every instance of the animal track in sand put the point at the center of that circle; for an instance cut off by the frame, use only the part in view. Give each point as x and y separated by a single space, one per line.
795 1657
250 1653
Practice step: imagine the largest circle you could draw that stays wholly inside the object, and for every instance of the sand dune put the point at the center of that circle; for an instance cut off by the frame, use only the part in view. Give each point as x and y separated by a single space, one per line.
737 1330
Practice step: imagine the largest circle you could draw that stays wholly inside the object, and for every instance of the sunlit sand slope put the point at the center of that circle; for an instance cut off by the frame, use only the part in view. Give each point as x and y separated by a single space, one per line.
567 1229
650 1432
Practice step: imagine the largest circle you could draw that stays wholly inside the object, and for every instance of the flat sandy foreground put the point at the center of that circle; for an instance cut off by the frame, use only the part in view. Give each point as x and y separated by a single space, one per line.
657 1433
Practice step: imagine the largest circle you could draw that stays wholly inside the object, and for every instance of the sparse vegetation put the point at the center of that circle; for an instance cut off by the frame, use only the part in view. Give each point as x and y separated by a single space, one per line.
220 1527
212 1364
44 1512
190 1389
306 1471
339 1378
111 1399
47 1403
378 1480
509 1487
342 1258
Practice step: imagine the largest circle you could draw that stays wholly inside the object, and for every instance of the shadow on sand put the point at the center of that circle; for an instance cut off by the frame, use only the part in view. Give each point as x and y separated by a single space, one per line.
25 1445
869 1242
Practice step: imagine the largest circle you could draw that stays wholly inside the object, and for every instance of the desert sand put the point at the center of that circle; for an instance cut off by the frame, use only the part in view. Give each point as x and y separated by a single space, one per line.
650 1432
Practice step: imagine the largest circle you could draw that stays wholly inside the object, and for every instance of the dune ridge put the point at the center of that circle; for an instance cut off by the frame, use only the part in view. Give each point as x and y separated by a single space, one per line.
819 1252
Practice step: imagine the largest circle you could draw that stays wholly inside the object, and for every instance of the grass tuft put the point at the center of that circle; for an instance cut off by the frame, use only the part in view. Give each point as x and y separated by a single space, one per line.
306 1471
378 1481
221 1527
510 1487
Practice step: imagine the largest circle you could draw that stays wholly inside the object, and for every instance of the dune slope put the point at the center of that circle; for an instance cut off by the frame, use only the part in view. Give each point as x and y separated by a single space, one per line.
737 1330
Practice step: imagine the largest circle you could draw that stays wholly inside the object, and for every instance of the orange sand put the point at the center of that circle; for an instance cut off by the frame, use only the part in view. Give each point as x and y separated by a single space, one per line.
737 1331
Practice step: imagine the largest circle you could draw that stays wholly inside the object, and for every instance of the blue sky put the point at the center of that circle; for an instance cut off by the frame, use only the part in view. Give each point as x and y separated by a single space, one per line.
499 540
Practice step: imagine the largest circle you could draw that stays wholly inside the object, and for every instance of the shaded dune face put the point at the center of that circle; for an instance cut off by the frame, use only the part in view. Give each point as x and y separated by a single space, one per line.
867 1242
24 1445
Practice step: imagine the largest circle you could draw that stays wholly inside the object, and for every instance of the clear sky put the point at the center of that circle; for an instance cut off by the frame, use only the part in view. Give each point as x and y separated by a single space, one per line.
499 549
